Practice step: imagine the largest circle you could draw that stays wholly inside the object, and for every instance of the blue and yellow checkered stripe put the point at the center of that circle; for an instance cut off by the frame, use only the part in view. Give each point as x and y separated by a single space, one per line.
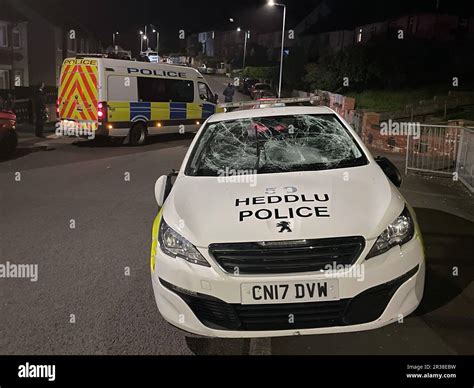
158 111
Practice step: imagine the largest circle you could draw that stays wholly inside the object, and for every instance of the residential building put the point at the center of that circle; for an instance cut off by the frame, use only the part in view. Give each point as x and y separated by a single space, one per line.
13 48
207 43
49 43
422 25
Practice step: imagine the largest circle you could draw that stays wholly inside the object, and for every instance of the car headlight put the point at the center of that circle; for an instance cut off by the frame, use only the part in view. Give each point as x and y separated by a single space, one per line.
175 245
398 232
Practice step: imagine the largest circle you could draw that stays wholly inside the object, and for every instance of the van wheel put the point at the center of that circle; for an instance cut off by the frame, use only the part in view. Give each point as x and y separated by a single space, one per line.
138 134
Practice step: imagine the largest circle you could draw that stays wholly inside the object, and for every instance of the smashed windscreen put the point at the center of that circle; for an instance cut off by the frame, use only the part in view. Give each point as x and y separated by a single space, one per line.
274 144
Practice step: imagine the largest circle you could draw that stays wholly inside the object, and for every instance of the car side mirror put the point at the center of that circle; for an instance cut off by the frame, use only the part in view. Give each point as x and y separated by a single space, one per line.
160 188
163 187
390 170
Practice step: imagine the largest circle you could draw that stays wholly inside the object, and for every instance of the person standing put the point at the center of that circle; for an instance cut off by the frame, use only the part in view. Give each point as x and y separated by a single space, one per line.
229 93
39 107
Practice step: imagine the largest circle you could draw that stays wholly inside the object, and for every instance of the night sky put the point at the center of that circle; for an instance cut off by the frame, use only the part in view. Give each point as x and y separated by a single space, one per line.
102 17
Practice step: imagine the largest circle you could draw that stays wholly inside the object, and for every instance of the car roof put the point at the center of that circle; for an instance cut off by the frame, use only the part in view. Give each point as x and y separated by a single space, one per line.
268 112
114 63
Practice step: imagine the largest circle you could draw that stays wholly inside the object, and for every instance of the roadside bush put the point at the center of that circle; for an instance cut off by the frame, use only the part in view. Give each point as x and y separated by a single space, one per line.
390 65
267 73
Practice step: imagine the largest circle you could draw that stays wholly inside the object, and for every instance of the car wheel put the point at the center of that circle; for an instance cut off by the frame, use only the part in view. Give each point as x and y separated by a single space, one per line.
138 134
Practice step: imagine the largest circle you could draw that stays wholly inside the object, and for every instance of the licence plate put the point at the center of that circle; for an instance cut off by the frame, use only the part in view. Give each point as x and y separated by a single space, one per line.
73 128
290 292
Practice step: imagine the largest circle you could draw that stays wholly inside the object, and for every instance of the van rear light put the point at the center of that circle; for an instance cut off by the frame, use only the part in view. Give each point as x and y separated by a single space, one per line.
57 108
102 111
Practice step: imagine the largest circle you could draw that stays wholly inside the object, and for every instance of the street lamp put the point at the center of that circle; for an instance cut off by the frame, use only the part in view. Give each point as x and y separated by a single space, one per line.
272 3
247 36
145 37
114 41
141 41
155 31
113 37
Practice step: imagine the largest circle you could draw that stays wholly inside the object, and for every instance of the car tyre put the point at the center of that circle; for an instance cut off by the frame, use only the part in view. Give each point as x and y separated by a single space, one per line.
138 134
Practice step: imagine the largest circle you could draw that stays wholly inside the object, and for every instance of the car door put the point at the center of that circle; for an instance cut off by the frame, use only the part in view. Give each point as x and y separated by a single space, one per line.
207 99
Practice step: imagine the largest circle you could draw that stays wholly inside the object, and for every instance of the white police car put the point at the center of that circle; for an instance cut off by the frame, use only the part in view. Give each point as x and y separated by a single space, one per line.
280 222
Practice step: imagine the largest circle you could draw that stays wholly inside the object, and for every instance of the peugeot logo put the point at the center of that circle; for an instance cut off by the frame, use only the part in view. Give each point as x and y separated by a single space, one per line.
284 227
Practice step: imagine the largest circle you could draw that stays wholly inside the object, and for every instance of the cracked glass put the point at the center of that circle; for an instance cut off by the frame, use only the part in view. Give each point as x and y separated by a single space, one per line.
274 144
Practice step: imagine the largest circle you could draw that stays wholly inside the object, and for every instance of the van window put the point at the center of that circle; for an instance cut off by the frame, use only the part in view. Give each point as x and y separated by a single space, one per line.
165 90
122 88
205 93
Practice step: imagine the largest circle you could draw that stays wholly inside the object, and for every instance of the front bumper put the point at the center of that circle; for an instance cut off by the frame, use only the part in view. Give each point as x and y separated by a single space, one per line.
208 301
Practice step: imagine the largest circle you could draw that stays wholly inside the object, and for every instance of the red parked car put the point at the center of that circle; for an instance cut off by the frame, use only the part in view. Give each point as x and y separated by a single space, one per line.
8 136
261 90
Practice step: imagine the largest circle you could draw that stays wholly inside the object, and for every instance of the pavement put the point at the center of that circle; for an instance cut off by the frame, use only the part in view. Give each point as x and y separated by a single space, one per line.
67 207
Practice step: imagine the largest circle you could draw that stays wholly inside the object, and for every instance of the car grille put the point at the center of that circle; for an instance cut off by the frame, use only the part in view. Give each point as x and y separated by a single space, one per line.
365 307
287 256
291 315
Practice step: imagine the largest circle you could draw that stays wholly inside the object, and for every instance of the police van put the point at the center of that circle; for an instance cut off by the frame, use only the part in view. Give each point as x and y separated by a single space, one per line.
294 229
132 100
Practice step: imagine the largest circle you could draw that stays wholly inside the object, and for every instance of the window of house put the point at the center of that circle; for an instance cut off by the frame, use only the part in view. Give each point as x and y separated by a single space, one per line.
463 24
411 25
4 80
359 36
71 44
3 35
373 32
16 38
59 40
18 80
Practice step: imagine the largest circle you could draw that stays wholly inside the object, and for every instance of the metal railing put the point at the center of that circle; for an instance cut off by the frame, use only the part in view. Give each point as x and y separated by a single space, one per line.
465 161
446 150
435 150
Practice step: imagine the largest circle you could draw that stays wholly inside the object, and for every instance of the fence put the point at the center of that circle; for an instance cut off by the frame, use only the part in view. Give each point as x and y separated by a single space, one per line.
23 106
23 111
442 149
435 150
465 160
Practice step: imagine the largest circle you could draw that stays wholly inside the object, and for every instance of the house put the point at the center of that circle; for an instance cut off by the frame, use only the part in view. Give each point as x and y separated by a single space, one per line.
222 45
13 48
207 43
421 25
49 43
329 28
